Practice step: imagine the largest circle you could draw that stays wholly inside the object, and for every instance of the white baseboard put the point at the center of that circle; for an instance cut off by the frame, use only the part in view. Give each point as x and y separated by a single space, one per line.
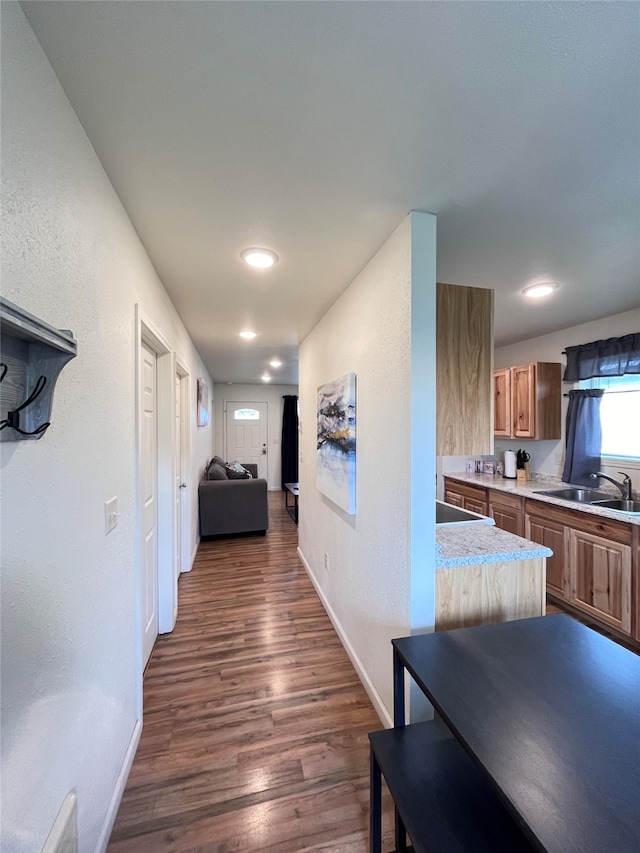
381 709
194 553
118 791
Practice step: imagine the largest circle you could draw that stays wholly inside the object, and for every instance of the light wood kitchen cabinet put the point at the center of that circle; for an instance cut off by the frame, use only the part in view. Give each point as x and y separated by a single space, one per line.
464 367
473 498
507 511
527 401
600 578
592 568
551 533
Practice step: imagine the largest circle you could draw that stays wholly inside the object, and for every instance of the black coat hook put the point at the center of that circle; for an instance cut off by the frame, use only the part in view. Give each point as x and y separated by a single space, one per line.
13 417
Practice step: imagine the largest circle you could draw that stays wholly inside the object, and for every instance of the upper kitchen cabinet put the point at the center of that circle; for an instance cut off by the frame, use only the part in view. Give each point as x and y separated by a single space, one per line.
527 401
464 369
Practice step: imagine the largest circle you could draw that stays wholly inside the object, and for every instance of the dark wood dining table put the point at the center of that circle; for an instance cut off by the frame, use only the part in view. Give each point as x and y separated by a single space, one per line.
550 711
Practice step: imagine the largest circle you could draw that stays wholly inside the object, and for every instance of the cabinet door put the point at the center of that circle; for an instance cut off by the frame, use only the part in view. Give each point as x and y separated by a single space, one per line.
502 421
551 534
523 400
600 582
507 518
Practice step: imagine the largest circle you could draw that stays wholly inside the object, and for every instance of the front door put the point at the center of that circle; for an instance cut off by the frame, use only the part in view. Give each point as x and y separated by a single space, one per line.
247 434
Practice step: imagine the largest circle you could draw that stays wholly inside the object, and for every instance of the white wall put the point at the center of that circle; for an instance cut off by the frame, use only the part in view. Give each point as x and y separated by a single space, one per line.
271 395
547 457
380 580
70 686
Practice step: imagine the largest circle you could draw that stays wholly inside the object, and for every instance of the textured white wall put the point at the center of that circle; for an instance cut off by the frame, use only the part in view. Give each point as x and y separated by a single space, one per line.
371 331
270 394
547 457
71 257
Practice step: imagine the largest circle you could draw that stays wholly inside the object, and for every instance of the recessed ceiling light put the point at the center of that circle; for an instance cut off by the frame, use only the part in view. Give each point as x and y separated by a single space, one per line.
275 363
536 291
247 334
260 258
266 378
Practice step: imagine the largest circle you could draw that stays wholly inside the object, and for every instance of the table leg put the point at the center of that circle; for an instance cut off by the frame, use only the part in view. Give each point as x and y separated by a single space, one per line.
399 720
375 806
398 691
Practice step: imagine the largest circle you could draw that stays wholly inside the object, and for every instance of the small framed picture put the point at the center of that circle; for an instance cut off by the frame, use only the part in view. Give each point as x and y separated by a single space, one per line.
488 467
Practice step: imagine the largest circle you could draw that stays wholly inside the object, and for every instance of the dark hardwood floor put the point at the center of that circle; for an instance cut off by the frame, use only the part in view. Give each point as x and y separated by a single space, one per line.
255 722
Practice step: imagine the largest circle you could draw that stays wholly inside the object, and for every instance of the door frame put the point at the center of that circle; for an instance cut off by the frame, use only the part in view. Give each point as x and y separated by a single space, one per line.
186 556
146 332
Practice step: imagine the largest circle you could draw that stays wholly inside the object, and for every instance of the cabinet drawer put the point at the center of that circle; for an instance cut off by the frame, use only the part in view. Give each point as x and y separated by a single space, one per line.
597 525
505 499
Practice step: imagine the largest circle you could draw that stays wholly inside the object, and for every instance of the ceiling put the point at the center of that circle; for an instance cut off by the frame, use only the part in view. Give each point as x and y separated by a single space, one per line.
313 128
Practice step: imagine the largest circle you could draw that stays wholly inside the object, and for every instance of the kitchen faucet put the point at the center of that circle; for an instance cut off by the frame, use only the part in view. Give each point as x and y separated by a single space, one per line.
625 486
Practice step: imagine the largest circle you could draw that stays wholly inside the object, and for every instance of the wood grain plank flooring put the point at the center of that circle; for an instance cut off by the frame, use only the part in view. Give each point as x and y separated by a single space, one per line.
255 722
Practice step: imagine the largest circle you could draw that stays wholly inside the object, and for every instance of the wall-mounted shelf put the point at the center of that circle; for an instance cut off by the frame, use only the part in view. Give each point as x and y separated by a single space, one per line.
32 354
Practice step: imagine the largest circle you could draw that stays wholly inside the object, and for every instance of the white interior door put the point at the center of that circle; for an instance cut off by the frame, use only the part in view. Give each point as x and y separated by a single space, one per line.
148 500
247 434
180 484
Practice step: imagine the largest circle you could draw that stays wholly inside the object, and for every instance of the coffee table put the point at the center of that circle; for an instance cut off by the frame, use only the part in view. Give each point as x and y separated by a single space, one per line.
292 509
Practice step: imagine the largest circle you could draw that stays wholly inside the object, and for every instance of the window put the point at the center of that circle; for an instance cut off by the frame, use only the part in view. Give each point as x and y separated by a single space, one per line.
246 415
619 415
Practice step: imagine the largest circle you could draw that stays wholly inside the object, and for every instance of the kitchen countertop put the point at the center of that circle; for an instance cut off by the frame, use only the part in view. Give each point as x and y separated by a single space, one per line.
528 489
472 544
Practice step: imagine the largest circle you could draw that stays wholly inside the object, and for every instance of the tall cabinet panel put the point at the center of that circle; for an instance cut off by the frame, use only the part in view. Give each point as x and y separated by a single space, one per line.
464 363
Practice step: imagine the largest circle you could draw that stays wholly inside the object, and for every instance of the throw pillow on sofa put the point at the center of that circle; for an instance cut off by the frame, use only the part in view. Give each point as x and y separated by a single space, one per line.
216 472
236 471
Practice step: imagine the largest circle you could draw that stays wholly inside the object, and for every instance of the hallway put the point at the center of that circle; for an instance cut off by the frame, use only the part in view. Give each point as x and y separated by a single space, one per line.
255 722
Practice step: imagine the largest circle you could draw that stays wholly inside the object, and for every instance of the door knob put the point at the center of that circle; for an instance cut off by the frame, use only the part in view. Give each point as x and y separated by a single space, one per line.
183 485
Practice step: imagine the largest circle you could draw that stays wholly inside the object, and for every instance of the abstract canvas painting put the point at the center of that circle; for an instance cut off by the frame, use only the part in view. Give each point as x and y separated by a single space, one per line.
202 404
336 446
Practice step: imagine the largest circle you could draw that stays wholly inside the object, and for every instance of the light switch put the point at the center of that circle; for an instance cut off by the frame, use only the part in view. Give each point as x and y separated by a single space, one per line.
110 515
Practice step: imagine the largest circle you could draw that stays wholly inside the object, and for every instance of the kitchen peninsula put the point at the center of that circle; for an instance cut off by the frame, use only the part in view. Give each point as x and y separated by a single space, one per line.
484 574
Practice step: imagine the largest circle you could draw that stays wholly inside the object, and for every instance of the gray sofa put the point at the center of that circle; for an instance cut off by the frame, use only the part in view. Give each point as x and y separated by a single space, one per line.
228 506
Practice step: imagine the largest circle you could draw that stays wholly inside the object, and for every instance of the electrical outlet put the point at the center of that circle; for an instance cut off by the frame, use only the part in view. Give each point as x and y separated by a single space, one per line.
110 515
326 562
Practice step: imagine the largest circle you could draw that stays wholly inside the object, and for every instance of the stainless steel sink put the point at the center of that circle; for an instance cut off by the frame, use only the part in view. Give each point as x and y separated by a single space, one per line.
583 496
630 507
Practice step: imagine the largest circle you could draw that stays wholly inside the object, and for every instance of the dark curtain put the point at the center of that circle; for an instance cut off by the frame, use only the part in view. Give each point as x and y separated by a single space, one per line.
290 439
610 357
584 437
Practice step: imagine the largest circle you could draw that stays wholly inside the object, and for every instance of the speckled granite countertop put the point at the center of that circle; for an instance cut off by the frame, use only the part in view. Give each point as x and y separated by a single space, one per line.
528 489
470 544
